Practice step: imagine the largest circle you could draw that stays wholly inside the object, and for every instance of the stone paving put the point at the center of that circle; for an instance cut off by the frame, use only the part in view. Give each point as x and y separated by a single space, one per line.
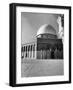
35 68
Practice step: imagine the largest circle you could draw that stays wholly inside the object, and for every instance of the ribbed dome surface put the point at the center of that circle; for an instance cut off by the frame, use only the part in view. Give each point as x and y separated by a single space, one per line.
46 29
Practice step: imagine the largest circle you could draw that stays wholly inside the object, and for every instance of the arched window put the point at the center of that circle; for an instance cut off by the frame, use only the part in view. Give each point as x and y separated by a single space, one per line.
26 52
30 51
33 50
24 48
22 52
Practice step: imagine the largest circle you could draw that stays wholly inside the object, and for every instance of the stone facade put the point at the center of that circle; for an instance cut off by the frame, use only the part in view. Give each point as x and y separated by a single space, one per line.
43 49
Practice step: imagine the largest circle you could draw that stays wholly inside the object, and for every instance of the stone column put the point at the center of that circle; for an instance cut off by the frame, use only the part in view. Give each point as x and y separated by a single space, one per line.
34 51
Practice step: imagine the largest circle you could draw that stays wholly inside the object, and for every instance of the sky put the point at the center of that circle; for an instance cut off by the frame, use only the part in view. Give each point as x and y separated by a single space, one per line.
31 22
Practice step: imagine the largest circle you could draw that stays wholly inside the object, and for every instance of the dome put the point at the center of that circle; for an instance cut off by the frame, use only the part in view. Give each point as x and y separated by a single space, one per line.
46 29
